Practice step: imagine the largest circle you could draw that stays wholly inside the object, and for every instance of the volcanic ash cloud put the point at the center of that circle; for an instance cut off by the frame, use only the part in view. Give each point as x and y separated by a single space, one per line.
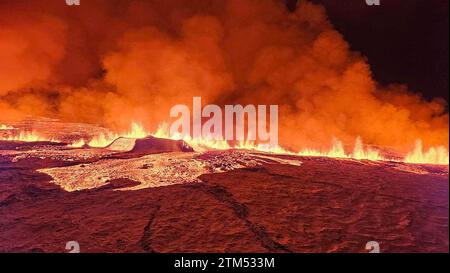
113 62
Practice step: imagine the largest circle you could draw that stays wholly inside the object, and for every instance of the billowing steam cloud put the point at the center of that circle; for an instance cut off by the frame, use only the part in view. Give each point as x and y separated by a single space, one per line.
114 61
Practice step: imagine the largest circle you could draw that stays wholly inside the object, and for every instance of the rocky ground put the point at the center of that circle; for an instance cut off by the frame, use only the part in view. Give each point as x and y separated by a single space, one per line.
162 197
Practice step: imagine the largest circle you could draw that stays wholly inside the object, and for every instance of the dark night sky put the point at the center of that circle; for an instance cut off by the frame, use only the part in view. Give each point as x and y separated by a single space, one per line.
405 41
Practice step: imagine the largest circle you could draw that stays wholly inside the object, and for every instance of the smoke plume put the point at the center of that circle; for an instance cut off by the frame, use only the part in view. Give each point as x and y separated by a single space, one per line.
114 61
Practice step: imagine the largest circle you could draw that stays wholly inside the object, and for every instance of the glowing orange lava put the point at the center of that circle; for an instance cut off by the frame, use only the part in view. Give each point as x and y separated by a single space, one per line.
439 155
77 144
103 140
434 155
6 127
26 136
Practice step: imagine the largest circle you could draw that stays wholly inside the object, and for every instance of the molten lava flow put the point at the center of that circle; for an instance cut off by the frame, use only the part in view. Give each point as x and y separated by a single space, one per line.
14 134
201 144
360 153
252 52
26 136
434 155
77 144
137 131
336 151
103 140
6 127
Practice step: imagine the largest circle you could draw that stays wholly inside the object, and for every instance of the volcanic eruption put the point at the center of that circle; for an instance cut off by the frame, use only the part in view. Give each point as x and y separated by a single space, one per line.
85 97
